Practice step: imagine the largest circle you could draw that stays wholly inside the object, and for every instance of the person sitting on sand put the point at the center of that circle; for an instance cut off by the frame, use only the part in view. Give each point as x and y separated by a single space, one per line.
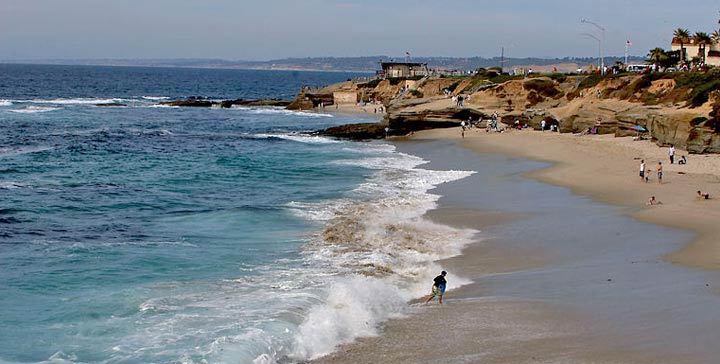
682 160
653 201
438 288
704 195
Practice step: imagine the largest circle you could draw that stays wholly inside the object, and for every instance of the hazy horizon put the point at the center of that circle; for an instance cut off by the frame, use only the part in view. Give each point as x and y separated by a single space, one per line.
230 30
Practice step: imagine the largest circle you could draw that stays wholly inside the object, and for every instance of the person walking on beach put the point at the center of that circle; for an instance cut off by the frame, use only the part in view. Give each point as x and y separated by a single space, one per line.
542 125
642 170
438 288
659 172
671 154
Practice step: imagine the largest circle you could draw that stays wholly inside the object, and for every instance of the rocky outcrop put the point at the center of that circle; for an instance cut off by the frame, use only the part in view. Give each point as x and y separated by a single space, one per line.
201 102
404 122
264 102
308 101
673 108
189 103
363 131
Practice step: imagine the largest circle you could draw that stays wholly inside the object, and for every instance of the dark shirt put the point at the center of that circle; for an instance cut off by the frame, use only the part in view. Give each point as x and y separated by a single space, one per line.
439 280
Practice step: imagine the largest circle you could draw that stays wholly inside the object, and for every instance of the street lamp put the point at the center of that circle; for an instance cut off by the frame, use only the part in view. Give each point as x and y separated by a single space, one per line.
602 42
599 46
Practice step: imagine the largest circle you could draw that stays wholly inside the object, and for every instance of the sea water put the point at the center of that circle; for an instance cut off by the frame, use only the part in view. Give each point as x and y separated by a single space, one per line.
148 233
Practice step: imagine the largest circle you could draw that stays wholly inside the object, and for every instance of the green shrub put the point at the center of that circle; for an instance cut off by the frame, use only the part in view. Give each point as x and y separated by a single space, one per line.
543 87
373 83
416 93
452 87
590 81
504 78
700 94
559 77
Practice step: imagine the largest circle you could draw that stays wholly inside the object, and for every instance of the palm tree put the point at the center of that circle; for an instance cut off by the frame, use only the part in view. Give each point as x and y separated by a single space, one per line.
702 39
657 56
716 36
682 35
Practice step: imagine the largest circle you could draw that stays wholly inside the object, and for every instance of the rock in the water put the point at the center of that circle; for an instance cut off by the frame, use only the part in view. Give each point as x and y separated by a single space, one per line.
194 102
363 131
264 102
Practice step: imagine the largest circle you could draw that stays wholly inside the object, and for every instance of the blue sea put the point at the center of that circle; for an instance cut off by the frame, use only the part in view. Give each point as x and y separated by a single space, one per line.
155 234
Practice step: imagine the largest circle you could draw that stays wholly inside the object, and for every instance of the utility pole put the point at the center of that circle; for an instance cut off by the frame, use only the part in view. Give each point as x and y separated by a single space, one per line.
627 46
502 59
600 61
602 42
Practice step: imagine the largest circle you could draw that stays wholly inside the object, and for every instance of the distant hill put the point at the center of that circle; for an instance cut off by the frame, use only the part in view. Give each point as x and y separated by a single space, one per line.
354 64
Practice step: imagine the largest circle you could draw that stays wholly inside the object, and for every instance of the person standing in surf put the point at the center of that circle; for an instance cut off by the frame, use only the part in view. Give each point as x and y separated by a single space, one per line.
438 288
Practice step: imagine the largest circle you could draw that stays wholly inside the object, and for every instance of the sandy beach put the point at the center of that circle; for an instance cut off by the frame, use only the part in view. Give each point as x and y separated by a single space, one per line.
571 280
607 169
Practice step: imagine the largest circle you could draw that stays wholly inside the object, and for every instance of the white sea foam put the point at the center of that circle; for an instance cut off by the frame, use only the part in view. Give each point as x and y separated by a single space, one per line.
379 244
270 110
75 101
161 106
156 98
296 137
34 109
9 185
5 102
6 152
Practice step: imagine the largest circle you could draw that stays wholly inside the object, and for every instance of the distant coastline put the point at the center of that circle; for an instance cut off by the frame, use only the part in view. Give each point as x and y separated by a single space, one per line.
366 64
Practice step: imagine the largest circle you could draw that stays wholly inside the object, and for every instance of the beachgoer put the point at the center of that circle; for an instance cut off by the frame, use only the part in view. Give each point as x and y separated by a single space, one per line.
653 201
682 160
438 288
703 195
642 170
542 125
659 172
671 154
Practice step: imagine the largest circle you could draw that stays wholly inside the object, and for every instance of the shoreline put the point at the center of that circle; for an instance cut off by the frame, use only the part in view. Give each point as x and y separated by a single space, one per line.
605 168
487 324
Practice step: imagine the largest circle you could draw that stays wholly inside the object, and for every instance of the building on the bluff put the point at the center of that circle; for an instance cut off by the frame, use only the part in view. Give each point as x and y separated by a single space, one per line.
694 48
403 69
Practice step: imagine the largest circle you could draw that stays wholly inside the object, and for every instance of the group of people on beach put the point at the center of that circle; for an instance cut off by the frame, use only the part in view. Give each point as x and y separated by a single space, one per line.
645 175
459 100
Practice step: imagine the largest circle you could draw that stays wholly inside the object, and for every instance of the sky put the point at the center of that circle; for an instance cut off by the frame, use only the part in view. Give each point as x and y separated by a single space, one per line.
272 29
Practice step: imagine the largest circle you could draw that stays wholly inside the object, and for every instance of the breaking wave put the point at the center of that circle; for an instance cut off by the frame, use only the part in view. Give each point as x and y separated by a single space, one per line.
34 109
297 137
380 251
279 111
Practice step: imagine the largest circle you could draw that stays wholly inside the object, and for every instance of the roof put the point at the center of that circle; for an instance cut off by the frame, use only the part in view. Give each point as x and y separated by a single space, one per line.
408 64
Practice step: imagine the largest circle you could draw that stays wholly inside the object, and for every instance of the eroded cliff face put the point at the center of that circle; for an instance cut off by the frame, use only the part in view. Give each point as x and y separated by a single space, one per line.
666 107
681 109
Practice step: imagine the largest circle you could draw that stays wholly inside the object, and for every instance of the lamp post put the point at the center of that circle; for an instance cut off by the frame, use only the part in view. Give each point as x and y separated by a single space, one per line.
602 42
599 47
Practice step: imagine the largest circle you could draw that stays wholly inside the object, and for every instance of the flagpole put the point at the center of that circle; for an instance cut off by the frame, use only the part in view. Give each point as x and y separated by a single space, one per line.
627 45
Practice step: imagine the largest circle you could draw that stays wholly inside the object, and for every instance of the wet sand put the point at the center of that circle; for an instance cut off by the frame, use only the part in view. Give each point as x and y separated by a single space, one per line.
557 277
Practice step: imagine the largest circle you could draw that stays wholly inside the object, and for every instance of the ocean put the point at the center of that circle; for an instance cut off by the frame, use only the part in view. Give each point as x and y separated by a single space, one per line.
154 234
